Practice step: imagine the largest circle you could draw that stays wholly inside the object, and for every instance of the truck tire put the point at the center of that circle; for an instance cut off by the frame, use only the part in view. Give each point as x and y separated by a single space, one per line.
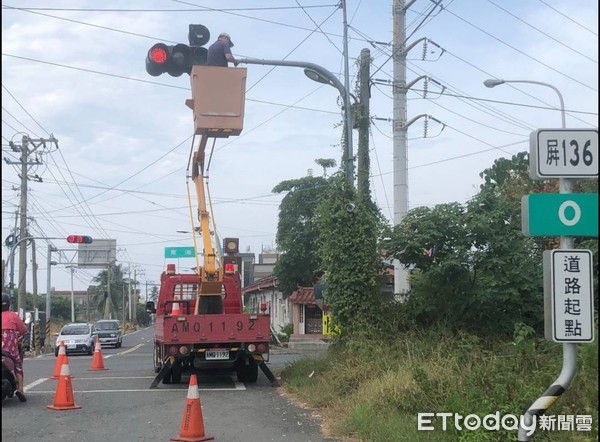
251 371
240 371
247 372
176 372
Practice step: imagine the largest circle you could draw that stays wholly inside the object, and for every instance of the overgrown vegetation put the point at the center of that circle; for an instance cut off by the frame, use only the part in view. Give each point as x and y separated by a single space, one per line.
469 337
373 389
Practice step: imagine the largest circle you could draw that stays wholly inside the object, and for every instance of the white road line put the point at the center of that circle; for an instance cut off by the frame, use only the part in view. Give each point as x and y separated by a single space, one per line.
158 390
118 377
34 383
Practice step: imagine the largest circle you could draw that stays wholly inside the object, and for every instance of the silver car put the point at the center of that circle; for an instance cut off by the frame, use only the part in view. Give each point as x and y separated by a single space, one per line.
78 337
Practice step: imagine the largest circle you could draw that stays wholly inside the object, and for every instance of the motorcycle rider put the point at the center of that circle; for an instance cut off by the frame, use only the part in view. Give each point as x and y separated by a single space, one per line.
12 328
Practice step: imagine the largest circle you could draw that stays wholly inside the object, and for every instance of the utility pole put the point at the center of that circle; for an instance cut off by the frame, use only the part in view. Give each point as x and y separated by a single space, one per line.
34 269
72 268
348 110
363 127
51 249
12 258
134 304
129 298
26 151
108 298
401 285
23 228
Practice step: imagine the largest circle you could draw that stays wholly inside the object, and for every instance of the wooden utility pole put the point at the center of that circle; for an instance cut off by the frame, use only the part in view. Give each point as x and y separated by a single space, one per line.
364 193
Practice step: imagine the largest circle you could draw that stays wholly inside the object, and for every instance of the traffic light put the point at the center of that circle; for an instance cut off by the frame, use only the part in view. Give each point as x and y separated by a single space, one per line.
79 239
174 60
177 59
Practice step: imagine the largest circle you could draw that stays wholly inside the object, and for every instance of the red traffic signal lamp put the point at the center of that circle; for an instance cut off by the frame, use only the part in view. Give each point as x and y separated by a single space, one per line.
79 239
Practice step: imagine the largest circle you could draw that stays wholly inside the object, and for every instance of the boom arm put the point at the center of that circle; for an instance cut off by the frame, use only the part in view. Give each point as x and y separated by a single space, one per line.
211 277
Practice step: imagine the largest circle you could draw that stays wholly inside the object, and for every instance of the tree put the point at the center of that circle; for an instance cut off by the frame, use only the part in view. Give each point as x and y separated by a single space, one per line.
296 232
117 287
153 295
142 316
348 234
471 263
325 163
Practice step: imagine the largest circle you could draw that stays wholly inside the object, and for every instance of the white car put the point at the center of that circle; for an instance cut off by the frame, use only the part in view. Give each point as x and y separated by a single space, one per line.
78 337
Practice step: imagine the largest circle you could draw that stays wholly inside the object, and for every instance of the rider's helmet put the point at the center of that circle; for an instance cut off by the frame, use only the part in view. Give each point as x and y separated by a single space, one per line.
5 301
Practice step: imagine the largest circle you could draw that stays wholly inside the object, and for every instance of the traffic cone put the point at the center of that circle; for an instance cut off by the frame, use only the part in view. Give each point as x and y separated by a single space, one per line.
63 398
176 310
192 424
97 361
62 353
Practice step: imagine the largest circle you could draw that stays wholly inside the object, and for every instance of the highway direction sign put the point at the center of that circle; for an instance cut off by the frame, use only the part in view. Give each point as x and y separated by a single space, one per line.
560 214
563 153
568 296
180 252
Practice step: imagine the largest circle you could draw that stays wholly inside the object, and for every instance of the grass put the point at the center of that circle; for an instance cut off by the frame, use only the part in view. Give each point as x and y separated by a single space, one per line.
373 391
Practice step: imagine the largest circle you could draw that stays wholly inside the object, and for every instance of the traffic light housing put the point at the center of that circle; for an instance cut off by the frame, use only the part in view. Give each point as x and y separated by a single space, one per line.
79 239
177 59
174 60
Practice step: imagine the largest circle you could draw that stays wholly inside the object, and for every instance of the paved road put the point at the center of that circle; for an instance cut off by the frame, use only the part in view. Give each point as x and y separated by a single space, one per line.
117 404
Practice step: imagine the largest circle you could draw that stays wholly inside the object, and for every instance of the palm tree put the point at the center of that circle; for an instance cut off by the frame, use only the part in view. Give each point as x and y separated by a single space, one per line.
117 287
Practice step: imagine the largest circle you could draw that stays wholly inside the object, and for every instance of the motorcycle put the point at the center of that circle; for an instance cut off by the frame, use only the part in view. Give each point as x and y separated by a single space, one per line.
9 377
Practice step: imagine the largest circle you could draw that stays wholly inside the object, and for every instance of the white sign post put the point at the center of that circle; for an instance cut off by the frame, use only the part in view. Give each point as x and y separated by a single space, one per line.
563 153
568 296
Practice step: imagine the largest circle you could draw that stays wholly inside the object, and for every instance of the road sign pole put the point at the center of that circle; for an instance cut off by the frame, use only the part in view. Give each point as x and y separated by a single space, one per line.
569 367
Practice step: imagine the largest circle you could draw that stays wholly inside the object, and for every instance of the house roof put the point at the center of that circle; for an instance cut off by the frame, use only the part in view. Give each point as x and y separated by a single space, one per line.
304 295
267 282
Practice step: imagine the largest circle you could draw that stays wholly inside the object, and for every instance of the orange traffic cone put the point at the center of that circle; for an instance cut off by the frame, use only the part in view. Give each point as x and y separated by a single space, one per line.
176 310
97 361
192 424
62 352
63 398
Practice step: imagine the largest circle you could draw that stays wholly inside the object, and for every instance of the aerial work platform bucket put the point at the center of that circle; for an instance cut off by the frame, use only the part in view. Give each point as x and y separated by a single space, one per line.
218 99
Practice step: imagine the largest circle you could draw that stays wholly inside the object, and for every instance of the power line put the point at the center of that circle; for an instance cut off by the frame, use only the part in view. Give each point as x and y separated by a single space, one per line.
522 53
568 18
542 32
265 8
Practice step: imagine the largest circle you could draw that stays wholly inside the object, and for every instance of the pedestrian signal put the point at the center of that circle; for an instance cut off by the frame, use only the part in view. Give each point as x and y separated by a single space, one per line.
79 239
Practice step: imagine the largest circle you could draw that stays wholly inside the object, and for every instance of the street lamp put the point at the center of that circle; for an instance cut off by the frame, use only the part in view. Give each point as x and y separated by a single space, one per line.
495 82
320 74
569 368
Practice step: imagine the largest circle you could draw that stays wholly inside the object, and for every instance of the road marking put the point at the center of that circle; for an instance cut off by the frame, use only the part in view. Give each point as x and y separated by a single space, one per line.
126 351
34 383
119 377
158 390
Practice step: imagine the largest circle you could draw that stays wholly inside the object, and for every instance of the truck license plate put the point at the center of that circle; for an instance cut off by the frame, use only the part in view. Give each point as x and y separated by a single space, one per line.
217 355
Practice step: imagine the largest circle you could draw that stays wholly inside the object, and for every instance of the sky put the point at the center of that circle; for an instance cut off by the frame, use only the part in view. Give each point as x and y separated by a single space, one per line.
75 70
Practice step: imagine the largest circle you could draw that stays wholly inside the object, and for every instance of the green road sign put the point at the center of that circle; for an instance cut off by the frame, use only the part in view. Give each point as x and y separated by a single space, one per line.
180 252
560 214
